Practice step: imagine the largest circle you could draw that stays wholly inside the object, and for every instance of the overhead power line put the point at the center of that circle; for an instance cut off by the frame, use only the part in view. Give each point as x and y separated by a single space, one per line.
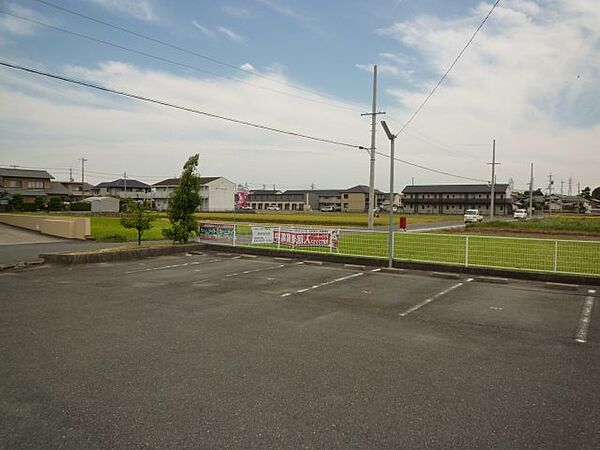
418 110
214 116
169 61
429 169
182 108
197 54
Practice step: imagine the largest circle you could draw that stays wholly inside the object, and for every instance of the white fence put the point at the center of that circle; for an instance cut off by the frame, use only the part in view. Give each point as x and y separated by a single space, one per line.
541 255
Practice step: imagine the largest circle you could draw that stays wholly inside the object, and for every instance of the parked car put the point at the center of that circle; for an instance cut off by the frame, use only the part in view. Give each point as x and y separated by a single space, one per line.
272 208
520 214
327 209
473 216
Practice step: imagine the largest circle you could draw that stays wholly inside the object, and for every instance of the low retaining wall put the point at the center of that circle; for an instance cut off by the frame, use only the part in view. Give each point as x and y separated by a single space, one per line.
66 227
118 255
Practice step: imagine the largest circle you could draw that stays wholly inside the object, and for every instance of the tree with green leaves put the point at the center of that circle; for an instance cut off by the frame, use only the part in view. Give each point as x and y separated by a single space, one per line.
596 193
586 193
16 202
137 217
55 204
183 203
39 203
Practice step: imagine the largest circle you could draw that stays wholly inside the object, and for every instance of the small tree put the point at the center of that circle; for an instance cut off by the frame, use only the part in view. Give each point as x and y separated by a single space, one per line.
586 193
183 202
55 204
16 202
596 193
137 217
39 203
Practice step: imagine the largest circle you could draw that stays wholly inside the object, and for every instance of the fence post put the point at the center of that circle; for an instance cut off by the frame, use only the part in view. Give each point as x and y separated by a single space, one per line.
556 255
234 233
466 251
279 239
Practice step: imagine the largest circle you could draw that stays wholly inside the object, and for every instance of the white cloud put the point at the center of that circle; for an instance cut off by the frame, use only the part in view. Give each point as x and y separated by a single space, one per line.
19 27
238 12
140 9
281 8
206 31
230 34
248 67
517 83
387 69
52 123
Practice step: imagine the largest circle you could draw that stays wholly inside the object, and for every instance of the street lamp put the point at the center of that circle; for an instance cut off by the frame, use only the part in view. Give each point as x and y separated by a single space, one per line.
392 138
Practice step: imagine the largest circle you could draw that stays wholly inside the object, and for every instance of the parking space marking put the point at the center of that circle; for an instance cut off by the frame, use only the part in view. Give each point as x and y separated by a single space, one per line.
326 283
245 272
172 266
430 299
584 320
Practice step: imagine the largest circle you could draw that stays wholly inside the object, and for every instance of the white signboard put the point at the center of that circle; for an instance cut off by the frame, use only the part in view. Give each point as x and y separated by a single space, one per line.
263 235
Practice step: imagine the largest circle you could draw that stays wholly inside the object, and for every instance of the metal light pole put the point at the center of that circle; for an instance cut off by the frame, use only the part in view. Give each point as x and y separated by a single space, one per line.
392 139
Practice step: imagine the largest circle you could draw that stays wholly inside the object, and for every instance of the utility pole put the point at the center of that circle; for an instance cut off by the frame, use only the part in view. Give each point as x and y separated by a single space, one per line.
71 176
531 192
550 194
562 186
494 164
578 188
413 181
125 183
83 160
570 186
373 115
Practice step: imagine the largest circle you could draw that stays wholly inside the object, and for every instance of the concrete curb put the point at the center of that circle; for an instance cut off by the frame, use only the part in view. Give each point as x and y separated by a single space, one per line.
118 255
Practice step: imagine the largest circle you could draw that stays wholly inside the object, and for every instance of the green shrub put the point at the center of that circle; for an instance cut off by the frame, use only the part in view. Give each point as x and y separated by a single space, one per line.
55 204
81 206
30 207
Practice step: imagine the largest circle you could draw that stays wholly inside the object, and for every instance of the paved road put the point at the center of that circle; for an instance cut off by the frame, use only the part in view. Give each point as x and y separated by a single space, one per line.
217 351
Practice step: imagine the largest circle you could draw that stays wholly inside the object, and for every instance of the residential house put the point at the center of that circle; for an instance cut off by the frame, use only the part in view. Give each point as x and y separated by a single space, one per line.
29 184
123 188
457 198
218 193
77 190
356 199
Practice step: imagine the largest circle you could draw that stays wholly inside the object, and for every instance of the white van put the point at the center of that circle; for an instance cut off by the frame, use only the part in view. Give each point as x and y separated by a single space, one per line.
327 209
473 216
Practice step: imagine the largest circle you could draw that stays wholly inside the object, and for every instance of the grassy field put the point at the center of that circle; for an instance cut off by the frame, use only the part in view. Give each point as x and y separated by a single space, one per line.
499 252
109 229
319 218
582 224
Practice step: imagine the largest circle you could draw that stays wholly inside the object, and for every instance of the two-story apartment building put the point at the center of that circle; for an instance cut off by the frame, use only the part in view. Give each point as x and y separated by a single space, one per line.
218 193
457 198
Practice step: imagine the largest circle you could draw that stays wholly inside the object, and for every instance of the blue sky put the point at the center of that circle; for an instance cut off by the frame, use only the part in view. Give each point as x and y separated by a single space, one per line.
528 80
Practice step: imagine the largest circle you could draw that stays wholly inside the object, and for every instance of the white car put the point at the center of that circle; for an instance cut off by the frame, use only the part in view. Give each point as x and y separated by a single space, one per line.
473 216
520 214
327 209
272 208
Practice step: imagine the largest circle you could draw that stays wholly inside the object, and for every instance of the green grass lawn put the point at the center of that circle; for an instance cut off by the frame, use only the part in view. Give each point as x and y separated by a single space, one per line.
583 224
319 218
109 229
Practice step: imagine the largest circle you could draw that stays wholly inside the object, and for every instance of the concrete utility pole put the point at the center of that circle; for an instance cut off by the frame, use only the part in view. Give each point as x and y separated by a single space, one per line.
125 183
392 139
494 164
570 186
562 187
71 175
373 115
578 188
531 192
550 194
83 160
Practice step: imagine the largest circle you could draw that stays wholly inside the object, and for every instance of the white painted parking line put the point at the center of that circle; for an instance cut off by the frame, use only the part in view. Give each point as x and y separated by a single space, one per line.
584 320
245 272
430 299
326 283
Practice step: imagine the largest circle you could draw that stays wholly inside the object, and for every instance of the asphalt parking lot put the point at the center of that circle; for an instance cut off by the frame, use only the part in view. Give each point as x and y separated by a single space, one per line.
222 351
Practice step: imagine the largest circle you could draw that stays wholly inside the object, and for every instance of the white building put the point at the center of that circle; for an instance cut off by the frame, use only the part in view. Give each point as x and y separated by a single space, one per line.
103 204
218 193
133 189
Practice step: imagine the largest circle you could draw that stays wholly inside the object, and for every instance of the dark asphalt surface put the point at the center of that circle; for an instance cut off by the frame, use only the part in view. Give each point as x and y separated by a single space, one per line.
13 254
210 351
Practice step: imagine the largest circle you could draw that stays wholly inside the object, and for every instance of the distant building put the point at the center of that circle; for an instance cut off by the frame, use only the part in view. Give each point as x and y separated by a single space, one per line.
218 193
457 198
29 184
133 189
103 204
354 199
76 191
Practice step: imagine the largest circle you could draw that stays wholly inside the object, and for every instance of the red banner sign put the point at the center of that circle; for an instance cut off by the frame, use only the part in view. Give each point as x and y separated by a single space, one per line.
306 238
